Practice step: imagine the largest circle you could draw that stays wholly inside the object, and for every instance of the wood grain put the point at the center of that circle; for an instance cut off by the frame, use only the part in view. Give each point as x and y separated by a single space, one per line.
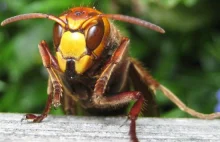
107 129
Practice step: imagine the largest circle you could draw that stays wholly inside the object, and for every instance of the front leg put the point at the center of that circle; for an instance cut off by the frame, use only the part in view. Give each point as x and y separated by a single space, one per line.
100 100
47 108
54 89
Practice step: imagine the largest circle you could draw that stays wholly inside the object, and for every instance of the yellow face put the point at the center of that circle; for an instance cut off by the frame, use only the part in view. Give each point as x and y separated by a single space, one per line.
83 41
73 45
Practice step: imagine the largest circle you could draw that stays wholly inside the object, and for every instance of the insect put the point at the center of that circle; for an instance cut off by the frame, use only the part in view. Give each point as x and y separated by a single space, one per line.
91 67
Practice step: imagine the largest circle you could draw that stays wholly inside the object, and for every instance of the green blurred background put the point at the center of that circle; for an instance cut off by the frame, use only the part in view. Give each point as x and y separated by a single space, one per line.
186 59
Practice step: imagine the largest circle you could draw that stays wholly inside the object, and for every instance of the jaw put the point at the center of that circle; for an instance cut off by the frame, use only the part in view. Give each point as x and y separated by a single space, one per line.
83 64
78 66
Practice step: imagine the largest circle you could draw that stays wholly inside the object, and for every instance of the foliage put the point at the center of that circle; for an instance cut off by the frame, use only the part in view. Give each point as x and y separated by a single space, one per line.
185 59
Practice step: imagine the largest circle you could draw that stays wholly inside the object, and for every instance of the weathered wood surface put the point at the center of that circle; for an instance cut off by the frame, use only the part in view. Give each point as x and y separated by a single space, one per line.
101 129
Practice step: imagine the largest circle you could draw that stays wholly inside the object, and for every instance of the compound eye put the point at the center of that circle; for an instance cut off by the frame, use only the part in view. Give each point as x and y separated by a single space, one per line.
57 34
94 35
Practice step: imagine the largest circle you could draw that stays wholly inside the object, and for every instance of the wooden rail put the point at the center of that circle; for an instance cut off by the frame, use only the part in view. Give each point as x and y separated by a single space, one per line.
106 129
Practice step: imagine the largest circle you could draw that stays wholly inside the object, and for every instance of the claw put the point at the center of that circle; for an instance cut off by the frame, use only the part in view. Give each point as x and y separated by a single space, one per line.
23 118
29 117
124 122
33 118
